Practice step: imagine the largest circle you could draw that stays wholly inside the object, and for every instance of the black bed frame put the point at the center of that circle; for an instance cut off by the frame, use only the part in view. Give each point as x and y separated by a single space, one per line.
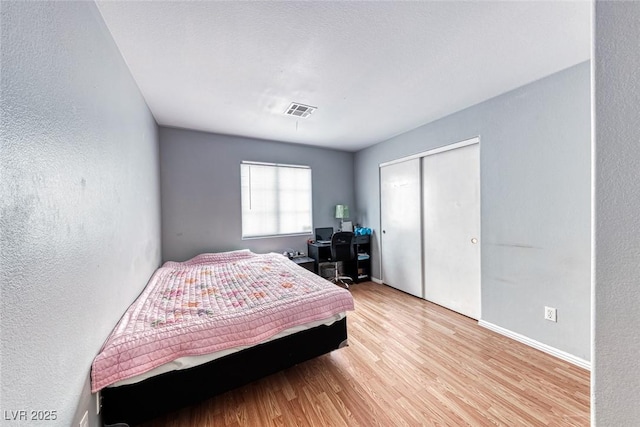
143 401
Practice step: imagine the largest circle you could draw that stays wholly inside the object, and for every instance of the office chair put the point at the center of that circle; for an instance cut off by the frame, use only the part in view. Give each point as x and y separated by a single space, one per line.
342 249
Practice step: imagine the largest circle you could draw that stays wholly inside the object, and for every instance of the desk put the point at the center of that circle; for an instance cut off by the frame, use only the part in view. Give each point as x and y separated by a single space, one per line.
359 269
320 252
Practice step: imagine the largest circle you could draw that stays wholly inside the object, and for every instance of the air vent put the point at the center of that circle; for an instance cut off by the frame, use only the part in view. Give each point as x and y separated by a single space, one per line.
300 110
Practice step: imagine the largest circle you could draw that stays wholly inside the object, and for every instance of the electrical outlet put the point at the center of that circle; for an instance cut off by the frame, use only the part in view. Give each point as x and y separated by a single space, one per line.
84 422
550 314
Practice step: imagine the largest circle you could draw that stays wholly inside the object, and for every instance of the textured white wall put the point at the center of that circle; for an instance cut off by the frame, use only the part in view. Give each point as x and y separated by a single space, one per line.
615 397
79 200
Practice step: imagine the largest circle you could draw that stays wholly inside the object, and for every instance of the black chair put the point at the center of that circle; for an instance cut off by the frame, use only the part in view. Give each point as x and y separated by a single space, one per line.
342 250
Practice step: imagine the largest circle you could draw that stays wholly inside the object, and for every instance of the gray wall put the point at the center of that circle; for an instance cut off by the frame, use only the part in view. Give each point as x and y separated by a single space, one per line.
200 176
79 200
535 183
615 395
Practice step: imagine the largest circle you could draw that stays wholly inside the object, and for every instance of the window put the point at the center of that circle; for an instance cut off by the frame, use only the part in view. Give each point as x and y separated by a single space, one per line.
276 199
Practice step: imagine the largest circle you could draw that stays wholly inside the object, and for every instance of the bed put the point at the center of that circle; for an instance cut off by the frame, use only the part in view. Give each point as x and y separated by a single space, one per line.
211 324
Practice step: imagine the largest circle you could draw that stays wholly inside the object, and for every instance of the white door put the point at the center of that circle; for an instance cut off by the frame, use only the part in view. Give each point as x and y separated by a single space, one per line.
451 227
400 218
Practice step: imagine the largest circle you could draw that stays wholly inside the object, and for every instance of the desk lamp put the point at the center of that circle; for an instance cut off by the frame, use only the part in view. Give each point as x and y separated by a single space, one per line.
342 212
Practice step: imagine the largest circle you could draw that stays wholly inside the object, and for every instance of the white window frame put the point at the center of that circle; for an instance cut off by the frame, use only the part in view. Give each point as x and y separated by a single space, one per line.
277 228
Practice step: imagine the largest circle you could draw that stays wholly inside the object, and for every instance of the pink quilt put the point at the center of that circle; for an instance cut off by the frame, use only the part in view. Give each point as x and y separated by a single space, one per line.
210 303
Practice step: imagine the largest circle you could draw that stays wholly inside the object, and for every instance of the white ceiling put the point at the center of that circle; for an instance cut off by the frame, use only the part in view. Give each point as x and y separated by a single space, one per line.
373 69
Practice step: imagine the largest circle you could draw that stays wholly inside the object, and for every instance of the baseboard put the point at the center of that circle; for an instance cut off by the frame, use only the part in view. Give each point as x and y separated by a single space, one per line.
538 345
376 280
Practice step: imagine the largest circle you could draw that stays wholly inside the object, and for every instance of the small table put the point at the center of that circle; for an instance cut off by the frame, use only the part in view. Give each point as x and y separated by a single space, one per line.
304 261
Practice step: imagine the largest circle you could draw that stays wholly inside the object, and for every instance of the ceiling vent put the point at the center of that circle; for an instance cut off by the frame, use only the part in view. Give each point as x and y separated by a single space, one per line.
300 110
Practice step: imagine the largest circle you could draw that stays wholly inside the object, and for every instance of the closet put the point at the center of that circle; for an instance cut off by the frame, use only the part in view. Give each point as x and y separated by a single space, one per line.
430 225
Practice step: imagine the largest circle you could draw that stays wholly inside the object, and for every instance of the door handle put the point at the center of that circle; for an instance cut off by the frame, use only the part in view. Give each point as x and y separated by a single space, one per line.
474 240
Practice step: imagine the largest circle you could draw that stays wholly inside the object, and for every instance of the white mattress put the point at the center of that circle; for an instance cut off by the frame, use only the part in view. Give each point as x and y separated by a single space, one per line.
191 361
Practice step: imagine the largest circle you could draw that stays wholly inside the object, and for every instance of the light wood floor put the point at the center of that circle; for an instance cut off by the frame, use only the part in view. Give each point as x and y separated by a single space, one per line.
409 363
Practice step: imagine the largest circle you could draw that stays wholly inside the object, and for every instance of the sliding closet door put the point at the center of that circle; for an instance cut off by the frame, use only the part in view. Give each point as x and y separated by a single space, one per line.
451 227
400 219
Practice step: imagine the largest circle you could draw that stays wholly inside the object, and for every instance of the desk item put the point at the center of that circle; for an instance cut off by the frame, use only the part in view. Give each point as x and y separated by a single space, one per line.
291 254
323 234
362 231
347 226
342 212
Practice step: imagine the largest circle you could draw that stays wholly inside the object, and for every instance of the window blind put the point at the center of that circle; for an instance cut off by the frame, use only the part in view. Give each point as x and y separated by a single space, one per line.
276 199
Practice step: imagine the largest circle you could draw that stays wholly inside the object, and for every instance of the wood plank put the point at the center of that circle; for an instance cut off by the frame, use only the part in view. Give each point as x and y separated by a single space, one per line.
409 362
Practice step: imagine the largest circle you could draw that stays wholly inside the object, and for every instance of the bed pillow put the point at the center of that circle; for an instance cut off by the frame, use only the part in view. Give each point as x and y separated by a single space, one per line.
213 258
